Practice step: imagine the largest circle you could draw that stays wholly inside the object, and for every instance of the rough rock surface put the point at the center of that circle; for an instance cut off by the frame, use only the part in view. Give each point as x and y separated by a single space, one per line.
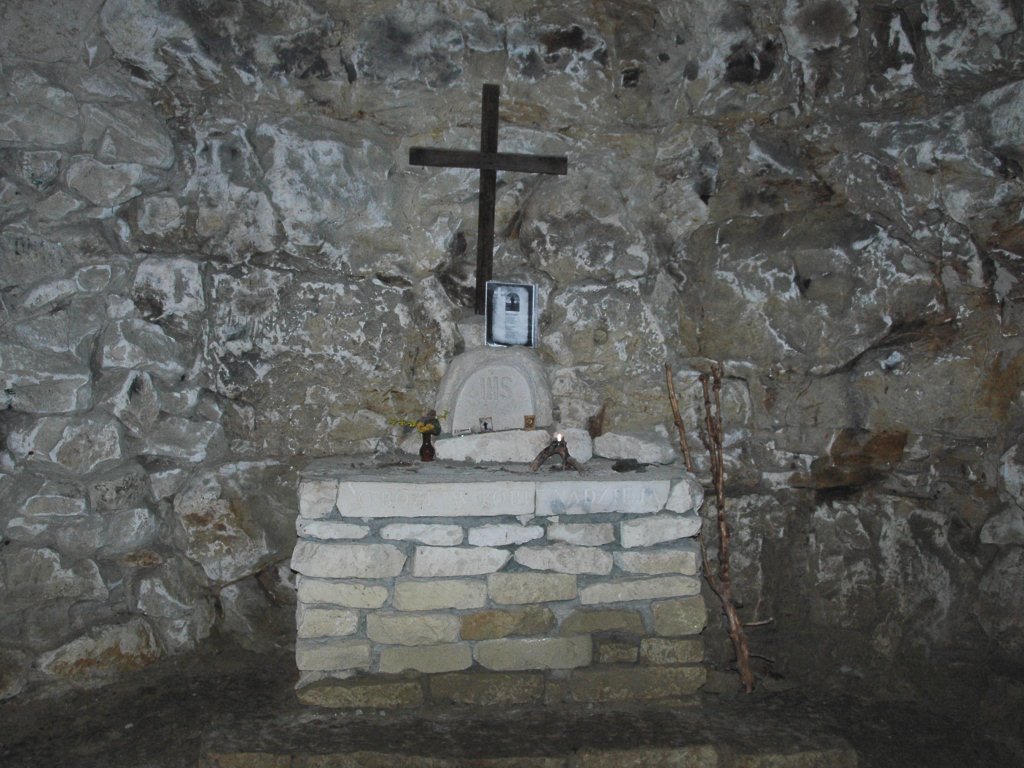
216 261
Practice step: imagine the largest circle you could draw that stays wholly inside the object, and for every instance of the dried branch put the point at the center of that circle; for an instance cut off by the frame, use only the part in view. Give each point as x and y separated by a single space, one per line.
721 582
678 419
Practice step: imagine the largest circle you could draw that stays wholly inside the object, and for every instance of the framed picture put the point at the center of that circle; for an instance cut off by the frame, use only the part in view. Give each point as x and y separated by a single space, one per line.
511 312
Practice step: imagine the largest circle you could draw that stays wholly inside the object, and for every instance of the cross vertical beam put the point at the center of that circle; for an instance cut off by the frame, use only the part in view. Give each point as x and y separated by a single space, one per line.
488 160
488 195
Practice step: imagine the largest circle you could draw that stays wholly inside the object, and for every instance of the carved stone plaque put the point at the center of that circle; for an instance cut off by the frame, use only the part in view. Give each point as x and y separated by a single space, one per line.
493 389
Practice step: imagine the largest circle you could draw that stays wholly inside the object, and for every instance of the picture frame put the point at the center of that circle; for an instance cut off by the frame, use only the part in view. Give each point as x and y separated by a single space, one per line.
510 310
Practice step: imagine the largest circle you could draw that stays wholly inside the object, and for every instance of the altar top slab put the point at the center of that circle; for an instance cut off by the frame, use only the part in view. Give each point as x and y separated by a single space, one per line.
365 489
354 469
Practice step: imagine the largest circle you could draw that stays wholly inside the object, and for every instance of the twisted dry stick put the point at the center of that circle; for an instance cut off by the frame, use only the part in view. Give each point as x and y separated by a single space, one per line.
713 439
678 418
721 583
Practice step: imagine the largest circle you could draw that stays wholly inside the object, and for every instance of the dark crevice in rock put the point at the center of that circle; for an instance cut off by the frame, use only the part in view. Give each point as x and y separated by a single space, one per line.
748 66
457 274
939 330
573 39
393 280
349 67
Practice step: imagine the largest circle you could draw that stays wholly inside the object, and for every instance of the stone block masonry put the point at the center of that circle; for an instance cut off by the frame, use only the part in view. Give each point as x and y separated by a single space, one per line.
482 585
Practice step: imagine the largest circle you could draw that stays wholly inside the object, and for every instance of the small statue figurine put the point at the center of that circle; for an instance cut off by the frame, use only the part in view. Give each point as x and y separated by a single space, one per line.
427 426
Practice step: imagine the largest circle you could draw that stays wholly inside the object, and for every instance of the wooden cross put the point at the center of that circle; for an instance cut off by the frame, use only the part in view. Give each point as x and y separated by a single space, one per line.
489 161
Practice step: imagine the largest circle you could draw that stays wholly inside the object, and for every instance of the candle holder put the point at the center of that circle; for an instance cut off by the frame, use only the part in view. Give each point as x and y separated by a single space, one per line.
556 447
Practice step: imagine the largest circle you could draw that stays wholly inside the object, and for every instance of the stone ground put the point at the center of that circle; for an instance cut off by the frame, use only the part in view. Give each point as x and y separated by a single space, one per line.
227 700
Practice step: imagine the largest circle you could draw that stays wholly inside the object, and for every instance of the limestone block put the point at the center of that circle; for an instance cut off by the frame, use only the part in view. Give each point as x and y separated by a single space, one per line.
323 656
67 323
449 657
58 206
681 558
126 530
88 445
678 617
584 621
105 185
458 561
36 125
168 591
652 448
1005 528
142 346
168 286
361 693
488 689
29 257
53 502
129 133
1011 472
439 593
515 445
534 653
40 168
166 482
347 594
634 683
121 488
339 176
563 558
647 531
580 444
14 668
595 497
325 622
624 590
686 494
188 440
610 650
93 278
103 653
488 625
317 498
177 603
339 561
501 385
329 530
436 499
664 650
37 575
434 534
49 293
43 382
218 534
584 534
80 445
503 535
412 629
159 215
522 588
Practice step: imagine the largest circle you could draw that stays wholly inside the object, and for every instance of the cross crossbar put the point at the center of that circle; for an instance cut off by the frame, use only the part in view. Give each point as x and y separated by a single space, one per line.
488 160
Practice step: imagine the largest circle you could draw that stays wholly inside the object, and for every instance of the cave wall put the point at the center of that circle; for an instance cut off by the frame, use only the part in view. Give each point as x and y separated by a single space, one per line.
216 262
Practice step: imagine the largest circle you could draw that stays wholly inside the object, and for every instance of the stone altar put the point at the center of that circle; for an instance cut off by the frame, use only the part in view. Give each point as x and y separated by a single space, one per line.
485 584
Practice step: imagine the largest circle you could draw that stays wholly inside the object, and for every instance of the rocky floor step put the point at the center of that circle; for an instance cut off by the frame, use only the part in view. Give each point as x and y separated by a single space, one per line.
664 737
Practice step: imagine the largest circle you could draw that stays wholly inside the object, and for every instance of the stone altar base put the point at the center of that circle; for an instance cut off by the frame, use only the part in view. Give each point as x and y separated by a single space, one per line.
442 583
